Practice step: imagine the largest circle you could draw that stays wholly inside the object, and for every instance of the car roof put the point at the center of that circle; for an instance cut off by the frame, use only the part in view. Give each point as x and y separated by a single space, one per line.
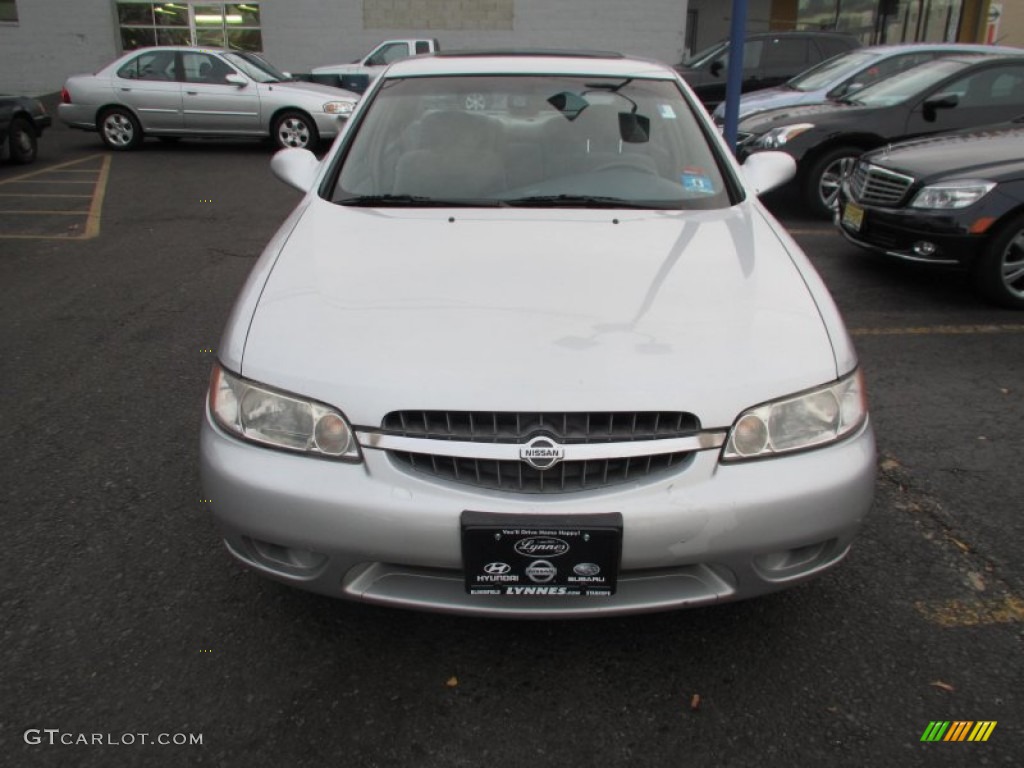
192 48
964 47
505 62
799 33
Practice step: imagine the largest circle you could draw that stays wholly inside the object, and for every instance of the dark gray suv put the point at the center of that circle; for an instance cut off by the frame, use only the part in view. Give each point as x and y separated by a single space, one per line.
769 59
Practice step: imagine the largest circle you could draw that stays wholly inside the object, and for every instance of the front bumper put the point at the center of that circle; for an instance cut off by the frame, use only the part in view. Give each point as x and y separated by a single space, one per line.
376 533
896 231
328 126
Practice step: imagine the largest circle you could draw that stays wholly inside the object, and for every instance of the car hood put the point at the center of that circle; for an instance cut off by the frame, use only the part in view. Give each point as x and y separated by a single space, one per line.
357 68
829 113
993 152
770 98
299 86
375 310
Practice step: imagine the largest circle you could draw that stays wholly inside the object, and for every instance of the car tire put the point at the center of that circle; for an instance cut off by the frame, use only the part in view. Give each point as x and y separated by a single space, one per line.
821 184
295 130
999 271
21 142
120 130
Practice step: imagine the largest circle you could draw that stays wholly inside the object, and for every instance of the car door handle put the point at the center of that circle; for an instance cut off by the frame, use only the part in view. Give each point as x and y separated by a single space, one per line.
126 90
192 93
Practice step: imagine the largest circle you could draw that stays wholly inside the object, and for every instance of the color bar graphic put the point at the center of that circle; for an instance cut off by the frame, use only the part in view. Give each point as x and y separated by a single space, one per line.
958 730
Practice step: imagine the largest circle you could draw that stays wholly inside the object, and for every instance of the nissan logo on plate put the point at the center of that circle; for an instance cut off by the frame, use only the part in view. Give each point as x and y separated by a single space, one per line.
541 453
541 571
541 546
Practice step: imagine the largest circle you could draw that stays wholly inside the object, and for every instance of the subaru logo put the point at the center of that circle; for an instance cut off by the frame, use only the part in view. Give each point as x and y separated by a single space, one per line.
541 453
497 569
586 569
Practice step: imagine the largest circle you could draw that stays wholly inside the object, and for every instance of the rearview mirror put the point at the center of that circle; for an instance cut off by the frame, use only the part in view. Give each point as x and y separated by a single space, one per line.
296 167
941 101
716 67
235 79
633 128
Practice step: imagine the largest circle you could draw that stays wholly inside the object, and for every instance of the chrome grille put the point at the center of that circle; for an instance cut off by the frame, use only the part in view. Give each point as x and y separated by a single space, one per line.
565 427
877 186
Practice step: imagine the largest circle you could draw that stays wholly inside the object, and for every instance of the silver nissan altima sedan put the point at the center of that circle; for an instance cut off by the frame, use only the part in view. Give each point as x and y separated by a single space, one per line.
174 92
530 346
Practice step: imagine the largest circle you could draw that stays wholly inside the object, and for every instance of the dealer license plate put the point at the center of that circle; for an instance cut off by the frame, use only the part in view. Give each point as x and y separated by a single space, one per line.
540 556
853 217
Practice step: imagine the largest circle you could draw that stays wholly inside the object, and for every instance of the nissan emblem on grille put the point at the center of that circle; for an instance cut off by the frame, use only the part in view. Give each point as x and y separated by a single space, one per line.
541 453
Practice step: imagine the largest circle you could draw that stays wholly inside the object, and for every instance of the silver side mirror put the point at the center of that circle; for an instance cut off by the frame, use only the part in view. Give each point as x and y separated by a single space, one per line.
765 171
296 167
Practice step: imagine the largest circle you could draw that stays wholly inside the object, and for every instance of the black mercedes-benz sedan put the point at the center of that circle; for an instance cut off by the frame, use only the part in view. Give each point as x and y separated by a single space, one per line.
954 200
945 95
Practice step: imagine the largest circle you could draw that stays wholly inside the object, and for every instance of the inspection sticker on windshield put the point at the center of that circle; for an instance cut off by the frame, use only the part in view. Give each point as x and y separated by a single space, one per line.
539 556
667 112
694 180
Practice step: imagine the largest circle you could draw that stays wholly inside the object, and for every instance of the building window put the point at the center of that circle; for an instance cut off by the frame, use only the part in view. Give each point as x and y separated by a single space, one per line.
8 11
215 25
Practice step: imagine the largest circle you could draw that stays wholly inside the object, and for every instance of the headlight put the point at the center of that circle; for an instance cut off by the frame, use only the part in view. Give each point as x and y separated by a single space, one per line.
814 418
256 413
779 137
343 108
952 194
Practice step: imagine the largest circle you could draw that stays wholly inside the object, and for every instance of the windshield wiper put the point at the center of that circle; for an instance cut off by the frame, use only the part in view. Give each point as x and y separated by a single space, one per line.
574 201
414 201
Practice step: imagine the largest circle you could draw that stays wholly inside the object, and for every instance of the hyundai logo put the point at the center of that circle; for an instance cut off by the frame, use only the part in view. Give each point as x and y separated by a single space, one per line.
541 453
497 569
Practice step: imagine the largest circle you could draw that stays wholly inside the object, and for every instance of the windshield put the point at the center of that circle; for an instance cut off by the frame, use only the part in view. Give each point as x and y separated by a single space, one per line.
827 73
256 68
907 85
544 141
700 58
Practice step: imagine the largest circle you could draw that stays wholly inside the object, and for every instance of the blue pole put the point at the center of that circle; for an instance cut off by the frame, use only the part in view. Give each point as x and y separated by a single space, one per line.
734 83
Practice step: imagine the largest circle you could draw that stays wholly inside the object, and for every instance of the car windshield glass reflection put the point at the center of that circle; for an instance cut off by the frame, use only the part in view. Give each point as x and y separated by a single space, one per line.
895 90
256 68
701 58
532 141
829 71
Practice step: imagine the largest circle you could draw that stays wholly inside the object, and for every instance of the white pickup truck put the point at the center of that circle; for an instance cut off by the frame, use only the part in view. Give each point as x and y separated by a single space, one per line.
358 75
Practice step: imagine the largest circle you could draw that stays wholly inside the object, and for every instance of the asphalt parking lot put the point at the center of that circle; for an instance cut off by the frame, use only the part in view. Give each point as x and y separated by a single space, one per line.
123 615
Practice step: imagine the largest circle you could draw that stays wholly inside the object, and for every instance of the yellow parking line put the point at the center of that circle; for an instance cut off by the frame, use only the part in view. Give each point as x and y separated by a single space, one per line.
940 330
92 225
41 171
92 216
973 613
43 213
807 231
39 194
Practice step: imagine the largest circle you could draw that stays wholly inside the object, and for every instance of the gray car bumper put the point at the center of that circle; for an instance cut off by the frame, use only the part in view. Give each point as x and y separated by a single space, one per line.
372 532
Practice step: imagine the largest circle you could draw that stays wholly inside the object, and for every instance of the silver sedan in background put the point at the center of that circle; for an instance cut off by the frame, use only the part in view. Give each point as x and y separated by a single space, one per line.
172 92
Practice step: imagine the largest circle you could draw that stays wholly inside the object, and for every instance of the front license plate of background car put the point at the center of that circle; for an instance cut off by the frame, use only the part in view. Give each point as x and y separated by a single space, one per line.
541 556
853 217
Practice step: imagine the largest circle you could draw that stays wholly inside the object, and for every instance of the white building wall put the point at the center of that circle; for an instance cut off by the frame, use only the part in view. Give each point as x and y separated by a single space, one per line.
54 39
57 38
714 18
301 34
